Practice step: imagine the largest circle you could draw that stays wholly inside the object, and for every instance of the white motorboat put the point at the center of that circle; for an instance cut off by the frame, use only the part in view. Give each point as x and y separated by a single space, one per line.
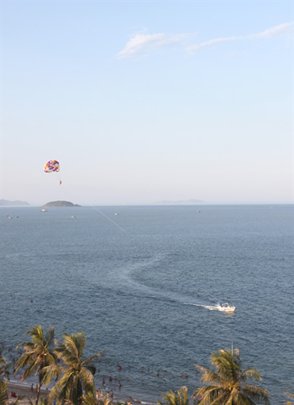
226 308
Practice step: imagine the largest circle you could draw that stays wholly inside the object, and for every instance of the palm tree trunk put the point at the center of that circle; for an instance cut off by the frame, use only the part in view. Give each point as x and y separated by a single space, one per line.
79 392
38 393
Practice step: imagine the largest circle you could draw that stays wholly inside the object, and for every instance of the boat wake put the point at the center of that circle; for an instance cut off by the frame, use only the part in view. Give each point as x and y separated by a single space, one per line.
128 272
226 308
124 279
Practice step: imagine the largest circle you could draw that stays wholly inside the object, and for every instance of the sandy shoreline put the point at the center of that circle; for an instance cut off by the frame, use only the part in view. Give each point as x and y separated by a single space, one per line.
24 393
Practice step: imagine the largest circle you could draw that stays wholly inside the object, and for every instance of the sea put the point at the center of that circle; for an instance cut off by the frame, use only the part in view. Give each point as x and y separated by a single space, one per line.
142 282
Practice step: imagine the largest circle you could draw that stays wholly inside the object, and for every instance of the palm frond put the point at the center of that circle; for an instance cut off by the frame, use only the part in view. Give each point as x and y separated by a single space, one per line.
251 373
92 359
256 393
88 399
209 391
228 382
50 372
37 355
60 388
70 346
179 397
3 393
75 343
208 376
37 335
87 380
241 399
49 337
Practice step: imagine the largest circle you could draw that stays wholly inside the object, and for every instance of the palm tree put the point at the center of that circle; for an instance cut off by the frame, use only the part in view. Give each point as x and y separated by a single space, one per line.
77 380
89 399
38 357
179 397
227 385
104 399
4 375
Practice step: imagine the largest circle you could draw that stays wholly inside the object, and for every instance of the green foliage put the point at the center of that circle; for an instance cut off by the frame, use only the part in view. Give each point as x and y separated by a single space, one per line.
179 397
76 385
3 392
227 384
38 357
4 370
90 399
4 376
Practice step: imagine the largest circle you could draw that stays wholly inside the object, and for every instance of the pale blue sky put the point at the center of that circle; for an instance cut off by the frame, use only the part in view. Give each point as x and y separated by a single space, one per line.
144 101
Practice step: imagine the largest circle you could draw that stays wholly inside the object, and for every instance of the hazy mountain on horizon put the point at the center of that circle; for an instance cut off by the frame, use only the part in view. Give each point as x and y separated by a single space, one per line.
16 203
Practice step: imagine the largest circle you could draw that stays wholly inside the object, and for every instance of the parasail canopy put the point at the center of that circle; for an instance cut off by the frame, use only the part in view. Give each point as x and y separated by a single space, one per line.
51 166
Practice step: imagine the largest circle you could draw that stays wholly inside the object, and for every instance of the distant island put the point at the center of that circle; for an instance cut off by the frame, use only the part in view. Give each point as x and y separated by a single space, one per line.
58 204
8 203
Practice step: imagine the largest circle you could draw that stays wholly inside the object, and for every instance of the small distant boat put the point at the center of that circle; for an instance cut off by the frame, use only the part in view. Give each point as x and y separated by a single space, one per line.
44 210
226 308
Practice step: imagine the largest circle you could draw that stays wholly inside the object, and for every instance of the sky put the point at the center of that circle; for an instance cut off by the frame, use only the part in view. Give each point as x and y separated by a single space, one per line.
147 101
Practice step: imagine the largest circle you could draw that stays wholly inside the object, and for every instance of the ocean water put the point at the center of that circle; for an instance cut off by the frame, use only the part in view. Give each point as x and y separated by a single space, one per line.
137 281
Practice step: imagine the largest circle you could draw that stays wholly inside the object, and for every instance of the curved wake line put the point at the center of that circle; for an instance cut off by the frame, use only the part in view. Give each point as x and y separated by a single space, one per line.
123 277
159 295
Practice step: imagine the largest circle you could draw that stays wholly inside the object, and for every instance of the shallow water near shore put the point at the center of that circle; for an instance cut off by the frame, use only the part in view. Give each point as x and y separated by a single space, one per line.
137 280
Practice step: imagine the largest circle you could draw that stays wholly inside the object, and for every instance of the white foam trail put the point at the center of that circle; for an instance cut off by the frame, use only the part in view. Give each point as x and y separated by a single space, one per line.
209 307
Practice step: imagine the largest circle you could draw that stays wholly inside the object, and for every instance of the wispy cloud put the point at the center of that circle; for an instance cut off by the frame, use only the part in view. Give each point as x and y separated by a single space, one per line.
276 30
140 43
271 32
210 42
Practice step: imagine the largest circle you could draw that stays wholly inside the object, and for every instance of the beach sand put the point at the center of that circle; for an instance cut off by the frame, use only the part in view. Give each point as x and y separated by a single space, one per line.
26 396
23 392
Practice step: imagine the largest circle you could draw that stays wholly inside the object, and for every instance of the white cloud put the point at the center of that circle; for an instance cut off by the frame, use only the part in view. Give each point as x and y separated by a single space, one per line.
141 42
271 32
276 30
211 42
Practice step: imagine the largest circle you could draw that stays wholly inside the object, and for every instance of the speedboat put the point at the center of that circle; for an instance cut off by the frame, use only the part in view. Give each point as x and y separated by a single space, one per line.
226 308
